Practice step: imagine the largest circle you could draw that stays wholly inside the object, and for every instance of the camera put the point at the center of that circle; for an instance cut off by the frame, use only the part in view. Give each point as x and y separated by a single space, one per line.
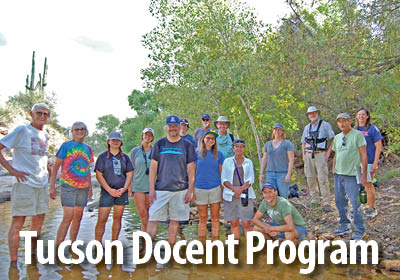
147 171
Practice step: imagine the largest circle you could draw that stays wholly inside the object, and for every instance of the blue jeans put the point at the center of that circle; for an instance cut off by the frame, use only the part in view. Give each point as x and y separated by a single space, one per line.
302 231
278 179
346 188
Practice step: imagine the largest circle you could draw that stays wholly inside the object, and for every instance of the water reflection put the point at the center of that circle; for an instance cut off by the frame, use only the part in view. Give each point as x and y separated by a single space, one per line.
131 223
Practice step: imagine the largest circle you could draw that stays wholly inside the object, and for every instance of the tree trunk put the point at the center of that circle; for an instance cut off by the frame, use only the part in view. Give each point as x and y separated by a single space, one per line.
215 101
253 127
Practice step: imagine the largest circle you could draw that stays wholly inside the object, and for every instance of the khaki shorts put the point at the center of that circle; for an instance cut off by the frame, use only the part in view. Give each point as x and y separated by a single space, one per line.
205 197
169 205
29 201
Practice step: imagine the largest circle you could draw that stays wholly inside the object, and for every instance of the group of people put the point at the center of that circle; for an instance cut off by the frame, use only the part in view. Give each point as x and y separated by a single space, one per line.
208 169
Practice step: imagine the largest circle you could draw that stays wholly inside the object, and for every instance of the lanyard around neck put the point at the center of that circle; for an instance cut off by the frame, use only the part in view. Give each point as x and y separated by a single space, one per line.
237 172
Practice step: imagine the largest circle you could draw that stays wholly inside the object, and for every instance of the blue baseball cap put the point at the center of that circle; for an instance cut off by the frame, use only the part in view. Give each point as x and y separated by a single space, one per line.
269 186
279 125
114 135
184 121
205 116
172 120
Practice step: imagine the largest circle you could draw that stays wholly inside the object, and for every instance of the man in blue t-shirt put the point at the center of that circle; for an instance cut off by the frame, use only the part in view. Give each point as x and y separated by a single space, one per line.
171 180
184 127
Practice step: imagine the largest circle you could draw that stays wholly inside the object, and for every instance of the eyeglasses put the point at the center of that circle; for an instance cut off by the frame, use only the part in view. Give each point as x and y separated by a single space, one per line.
80 129
344 141
205 120
39 113
210 138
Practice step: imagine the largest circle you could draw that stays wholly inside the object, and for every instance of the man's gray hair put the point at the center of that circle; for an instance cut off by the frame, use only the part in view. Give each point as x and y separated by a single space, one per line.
39 105
80 124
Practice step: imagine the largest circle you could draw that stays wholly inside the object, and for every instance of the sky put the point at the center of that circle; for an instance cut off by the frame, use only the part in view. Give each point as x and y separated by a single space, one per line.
93 49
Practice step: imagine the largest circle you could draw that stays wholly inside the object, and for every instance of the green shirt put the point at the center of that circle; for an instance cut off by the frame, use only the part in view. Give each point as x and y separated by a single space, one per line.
347 152
140 181
282 209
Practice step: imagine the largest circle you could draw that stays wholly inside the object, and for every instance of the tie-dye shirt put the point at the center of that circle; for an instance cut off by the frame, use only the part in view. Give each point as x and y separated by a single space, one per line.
77 158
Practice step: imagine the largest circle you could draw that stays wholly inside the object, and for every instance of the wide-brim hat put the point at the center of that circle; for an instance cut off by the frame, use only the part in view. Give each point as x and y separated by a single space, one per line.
311 109
222 119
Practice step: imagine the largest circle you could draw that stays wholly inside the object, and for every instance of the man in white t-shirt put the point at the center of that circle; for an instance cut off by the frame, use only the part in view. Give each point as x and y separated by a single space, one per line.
29 195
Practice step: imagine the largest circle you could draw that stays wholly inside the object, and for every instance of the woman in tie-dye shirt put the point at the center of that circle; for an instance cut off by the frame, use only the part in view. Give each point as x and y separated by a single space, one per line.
75 158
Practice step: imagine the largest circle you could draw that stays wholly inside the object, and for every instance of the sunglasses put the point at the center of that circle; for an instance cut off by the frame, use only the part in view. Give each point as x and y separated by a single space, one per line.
80 129
344 141
39 113
205 120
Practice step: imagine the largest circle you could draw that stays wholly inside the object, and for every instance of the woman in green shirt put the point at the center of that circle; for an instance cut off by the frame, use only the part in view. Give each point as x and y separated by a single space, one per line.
140 157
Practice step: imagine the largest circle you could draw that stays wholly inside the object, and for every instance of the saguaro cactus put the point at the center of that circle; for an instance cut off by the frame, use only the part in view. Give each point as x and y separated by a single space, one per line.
30 85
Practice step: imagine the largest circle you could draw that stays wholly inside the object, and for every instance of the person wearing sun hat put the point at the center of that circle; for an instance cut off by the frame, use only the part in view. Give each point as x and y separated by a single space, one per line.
207 188
184 127
316 152
224 139
114 173
237 176
199 132
287 223
140 157
350 151
279 159
171 180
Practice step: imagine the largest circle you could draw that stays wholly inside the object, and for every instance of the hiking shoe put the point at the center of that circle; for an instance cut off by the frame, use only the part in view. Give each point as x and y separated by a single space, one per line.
327 208
358 236
342 231
370 213
304 192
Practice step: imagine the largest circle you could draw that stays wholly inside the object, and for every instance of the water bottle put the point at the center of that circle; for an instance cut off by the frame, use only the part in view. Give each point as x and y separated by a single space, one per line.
363 195
245 200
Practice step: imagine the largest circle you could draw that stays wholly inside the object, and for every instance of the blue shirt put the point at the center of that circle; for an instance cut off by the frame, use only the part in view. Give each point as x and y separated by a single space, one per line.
114 169
225 145
190 139
278 160
371 135
207 170
172 158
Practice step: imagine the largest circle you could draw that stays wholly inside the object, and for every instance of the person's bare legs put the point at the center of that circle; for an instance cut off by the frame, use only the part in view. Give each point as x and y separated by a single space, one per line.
370 189
172 231
246 227
215 226
235 229
203 218
36 225
13 236
75 223
292 236
64 225
266 235
101 223
116 225
142 205
152 228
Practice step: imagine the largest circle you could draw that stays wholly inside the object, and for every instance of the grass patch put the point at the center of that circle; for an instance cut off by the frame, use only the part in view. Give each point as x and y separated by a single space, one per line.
391 174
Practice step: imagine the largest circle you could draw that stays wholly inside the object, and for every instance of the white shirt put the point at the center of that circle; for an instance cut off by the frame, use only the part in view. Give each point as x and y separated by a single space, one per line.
29 153
228 169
